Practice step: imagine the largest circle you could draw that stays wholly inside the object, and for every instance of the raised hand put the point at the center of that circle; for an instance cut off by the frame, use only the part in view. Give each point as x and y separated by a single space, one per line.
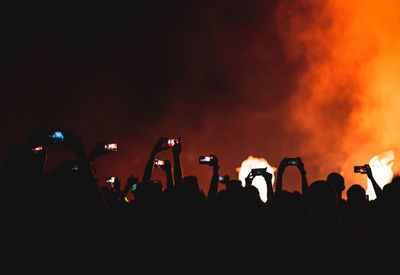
214 162
158 147
249 179
268 180
304 182
300 166
98 150
375 185
212 191
176 151
282 166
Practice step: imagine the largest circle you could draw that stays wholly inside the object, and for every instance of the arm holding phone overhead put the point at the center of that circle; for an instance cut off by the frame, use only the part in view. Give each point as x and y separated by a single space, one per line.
158 147
176 151
212 160
281 169
303 173
267 177
162 144
377 188
103 148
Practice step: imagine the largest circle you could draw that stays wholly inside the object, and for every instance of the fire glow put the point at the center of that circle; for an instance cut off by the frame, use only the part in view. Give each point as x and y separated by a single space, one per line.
348 96
259 182
381 167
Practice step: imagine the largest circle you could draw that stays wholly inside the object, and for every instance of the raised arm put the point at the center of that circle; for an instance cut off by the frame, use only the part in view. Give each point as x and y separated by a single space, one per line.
281 170
212 191
268 180
304 183
149 167
377 188
98 150
176 151
167 169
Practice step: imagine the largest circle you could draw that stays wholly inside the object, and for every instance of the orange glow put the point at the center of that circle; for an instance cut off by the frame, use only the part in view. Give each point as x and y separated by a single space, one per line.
259 182
381 167
347 99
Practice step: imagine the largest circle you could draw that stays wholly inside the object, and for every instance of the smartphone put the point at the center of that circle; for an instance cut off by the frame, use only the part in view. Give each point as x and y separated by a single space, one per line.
38 149
56 136
171 142
258 171
158 163
111 147
221 178
360 169
111 180
292 161
206 160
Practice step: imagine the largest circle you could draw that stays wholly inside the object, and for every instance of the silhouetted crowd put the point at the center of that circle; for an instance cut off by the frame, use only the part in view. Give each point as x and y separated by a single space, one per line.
174 222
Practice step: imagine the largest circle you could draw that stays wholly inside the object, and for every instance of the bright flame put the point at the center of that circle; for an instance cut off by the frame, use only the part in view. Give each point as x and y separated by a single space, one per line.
259 182
381 166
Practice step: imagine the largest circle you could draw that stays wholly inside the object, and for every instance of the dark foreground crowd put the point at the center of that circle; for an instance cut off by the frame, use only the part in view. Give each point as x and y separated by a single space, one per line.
68 213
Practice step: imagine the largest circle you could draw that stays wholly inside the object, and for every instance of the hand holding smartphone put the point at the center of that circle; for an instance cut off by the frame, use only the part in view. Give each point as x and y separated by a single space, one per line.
171 142
159 163
209 160
361 169
111 147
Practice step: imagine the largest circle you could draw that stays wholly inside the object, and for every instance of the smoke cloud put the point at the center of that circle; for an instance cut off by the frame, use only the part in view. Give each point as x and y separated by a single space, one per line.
346 100
315 79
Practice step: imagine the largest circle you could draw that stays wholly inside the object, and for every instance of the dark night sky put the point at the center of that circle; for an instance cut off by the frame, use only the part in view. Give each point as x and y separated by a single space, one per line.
213 72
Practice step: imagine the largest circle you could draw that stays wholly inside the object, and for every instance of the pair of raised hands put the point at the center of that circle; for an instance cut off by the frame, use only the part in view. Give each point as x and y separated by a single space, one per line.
291 162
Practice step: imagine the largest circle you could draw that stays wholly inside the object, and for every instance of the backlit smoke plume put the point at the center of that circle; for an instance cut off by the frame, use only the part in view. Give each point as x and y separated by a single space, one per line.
347 98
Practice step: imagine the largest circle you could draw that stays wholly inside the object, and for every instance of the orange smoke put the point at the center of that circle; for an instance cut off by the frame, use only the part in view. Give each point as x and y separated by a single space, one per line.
348 95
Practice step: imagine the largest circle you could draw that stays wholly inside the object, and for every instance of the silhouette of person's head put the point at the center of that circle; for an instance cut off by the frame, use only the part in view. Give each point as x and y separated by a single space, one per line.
189 192
322 199
234 185
391 191
338 183
356 194
190 182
